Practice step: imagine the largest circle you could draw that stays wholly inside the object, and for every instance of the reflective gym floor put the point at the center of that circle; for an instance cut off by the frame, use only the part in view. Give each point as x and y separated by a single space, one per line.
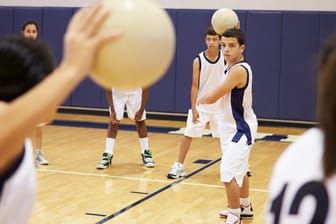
71 190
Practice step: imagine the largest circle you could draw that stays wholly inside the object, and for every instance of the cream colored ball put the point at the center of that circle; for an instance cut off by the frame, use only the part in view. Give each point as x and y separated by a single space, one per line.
145 50
224 19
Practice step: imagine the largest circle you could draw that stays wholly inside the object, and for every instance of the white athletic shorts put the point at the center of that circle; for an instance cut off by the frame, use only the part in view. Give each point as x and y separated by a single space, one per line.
196 130
130 99
235 157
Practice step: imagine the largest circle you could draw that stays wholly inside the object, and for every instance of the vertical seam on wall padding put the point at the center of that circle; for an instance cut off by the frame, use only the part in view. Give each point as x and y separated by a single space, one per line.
175 59
176 56
280 67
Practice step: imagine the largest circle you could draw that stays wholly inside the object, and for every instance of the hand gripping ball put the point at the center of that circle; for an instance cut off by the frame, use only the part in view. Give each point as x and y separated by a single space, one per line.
143 52
224 19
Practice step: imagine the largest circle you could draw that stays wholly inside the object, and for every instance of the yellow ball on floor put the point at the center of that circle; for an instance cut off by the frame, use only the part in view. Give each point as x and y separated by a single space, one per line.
143 53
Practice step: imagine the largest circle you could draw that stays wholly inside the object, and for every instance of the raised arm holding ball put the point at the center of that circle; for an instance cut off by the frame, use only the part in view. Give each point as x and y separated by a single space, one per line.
19 91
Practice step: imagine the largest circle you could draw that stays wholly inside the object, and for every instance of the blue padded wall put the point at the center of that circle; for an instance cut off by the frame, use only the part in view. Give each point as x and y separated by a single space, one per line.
55 21
104 104
264 36
6 20
327 26
192 25
300 35
87 94
282 47
243 20
162 93
22 14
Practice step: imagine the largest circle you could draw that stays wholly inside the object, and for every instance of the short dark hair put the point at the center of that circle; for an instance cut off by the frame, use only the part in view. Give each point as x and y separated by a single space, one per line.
326 105
235 33
210 31
23 64
30 22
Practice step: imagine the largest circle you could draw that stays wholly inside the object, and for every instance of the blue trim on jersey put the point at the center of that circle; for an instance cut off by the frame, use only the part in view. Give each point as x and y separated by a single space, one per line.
200 67
212 62
237 95
11 170
199 61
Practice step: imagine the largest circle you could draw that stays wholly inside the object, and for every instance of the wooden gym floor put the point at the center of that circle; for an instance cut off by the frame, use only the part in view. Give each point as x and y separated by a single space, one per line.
71 190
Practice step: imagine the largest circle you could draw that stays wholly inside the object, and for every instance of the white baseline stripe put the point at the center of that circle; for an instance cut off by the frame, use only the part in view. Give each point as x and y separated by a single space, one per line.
139 179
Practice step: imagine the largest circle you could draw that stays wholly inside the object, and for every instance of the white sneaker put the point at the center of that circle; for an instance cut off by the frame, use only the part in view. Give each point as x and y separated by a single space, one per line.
40 158
106 161
147 158
176 171
233 219
246 212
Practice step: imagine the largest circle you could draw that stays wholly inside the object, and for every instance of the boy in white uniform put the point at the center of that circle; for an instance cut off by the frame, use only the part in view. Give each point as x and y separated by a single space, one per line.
18 187
303 184
135 102
30 30
238 128
24 63
208 68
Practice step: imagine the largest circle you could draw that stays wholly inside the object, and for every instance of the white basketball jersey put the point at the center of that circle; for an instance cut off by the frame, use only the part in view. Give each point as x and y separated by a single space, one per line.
209 78
297 194
18 188
239 118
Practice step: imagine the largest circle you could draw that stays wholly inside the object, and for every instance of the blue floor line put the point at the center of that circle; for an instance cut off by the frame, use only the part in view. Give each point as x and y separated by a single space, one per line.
155 129
101 125
94 214
106 219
